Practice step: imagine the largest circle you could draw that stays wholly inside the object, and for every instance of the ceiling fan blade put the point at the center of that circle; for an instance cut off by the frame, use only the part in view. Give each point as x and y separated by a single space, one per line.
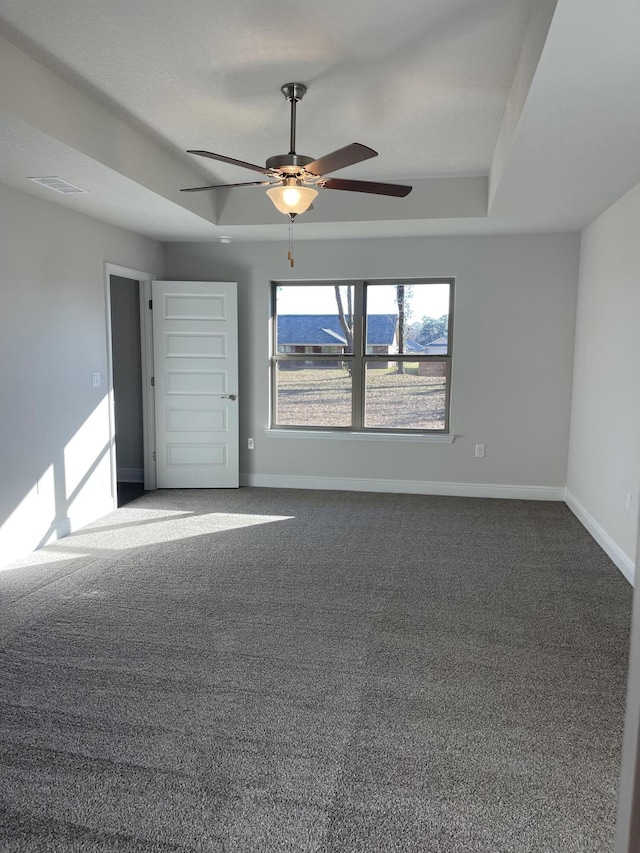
225 186
231 160
347 156
367 187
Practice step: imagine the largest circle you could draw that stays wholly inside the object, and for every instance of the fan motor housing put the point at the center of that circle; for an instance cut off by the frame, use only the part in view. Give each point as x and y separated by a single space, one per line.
290 164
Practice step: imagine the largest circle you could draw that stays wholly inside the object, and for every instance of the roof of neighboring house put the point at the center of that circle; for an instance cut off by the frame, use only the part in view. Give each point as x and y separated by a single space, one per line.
325 330
442 341
413 346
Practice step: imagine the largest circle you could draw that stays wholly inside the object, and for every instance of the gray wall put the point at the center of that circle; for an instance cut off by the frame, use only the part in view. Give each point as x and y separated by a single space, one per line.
512 359
604 455
127 378
54 465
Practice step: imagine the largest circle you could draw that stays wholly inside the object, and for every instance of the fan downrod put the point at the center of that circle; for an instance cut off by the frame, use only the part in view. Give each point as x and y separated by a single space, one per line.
291 163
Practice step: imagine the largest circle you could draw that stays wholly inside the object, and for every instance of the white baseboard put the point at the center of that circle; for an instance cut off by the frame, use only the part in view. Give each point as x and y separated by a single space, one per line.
130 475
25 542
409 487
78 519
61 529
58 530
622 560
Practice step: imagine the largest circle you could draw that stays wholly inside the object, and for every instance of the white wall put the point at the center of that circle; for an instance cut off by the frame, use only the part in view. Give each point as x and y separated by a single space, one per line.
604 454
512 361
54 465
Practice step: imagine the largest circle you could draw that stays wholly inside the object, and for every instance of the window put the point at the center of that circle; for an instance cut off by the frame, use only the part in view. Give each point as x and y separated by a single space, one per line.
362 355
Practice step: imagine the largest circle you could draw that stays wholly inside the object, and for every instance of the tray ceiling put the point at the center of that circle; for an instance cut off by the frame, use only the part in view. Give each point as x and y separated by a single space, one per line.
506 115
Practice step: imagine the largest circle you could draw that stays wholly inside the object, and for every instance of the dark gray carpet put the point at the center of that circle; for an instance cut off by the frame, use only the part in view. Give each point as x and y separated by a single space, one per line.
264 670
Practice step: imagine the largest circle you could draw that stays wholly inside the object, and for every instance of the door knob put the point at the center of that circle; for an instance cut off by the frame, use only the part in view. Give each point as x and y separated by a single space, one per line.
228 397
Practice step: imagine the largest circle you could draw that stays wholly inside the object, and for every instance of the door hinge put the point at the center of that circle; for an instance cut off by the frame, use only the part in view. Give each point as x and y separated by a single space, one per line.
153 381
154 456
151 304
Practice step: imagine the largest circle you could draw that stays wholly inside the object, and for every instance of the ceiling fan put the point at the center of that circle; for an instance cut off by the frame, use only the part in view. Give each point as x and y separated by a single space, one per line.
293 178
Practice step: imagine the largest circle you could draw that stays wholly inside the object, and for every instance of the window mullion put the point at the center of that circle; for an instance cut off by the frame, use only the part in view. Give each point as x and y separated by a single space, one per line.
357 377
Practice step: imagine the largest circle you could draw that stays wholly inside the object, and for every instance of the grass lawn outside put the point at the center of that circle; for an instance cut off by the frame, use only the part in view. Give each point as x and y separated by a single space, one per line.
321 397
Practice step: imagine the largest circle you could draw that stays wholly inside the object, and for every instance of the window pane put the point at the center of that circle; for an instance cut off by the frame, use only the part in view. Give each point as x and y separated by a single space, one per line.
314 318
414 398
407 318
317 395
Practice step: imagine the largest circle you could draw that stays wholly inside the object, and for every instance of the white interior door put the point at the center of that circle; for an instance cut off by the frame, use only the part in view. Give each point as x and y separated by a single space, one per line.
195 343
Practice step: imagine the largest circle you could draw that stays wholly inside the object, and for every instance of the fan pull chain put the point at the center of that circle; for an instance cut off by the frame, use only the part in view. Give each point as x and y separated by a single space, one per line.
290 252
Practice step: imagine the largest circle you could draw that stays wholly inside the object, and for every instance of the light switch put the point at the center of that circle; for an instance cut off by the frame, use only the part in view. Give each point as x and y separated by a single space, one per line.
95 380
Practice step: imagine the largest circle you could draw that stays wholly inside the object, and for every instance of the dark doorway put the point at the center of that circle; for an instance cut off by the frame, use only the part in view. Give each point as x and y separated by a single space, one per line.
127 387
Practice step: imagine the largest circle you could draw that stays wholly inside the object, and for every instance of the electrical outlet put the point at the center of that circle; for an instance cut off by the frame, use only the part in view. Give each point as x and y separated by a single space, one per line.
627 502
479 451
250 444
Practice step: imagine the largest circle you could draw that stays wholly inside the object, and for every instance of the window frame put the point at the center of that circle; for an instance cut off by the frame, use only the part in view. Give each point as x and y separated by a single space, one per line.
360 358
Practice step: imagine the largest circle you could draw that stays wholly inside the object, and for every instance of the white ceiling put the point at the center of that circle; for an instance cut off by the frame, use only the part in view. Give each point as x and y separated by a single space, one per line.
505 115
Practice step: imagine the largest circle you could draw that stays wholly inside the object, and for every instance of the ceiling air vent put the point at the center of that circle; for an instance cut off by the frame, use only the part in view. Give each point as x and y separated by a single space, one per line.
59 185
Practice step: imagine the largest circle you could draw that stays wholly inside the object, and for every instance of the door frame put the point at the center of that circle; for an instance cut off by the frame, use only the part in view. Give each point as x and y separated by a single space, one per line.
144 280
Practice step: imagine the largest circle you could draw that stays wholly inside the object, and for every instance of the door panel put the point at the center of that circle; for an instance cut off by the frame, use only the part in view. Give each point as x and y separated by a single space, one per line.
196 372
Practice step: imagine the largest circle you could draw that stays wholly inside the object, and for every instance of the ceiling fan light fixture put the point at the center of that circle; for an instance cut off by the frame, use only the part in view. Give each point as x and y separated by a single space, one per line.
292 197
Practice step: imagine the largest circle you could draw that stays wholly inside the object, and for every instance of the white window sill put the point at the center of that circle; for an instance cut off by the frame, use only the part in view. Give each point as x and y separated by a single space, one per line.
338 435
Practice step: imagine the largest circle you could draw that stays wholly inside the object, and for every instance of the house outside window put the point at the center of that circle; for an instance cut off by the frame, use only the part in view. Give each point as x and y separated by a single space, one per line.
362 356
